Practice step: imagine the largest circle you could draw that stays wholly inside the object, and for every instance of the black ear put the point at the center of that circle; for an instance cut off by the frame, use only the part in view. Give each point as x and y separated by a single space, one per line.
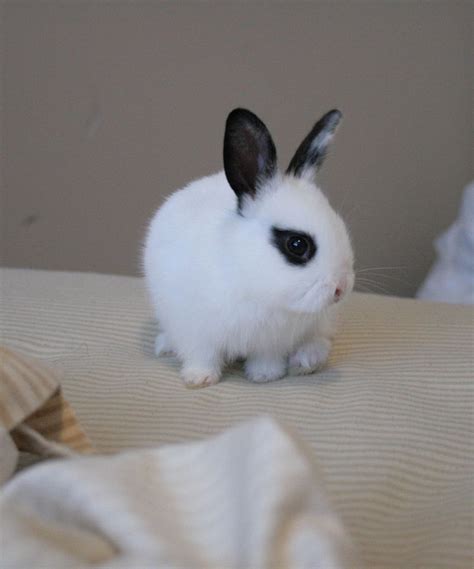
249 153
311 152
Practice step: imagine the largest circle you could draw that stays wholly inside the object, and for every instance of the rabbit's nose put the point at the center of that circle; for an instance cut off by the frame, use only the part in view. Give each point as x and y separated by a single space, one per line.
338 294
343 285
341 288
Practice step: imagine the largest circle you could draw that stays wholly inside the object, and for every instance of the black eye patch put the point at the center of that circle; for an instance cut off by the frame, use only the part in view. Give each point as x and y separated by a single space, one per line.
297 247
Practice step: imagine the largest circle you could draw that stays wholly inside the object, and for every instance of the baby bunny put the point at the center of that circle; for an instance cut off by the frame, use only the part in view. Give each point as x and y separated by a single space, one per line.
249 262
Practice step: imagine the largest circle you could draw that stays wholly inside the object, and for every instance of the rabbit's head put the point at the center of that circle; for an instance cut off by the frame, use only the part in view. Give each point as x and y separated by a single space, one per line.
290 248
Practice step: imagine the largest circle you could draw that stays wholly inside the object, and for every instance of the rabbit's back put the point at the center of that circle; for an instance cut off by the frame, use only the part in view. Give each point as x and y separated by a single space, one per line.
181 239
203 201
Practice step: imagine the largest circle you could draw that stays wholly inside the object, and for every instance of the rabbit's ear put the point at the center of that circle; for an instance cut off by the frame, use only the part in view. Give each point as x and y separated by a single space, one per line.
249 153
311 152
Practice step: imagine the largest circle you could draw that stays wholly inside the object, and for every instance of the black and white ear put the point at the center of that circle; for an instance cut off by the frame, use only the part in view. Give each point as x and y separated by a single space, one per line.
249 153
312 151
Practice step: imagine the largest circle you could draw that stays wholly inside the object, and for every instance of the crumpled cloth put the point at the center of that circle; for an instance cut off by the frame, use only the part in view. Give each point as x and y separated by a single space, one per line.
34 415
248 498
451 278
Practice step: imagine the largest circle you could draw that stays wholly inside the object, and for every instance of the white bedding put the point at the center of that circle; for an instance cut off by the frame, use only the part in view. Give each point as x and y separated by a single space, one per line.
451 279
250 498
390 420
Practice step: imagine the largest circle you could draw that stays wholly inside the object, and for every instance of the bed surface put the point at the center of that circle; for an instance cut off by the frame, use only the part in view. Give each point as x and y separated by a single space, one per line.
390 419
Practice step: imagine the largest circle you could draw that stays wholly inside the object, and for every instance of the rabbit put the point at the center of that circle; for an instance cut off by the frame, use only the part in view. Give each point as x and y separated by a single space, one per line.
250 263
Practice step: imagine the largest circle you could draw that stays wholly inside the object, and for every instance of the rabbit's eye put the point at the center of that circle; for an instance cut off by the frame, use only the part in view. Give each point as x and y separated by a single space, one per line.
298 248
297 245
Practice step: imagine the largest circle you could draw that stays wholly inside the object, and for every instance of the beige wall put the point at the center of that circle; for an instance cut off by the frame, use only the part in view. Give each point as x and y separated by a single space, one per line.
108 107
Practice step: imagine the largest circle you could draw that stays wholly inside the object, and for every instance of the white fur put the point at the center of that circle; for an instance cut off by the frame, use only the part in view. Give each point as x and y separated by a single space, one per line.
222 290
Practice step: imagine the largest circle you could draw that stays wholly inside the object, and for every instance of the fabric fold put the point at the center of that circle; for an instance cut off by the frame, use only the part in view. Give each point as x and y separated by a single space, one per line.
34 415
249 498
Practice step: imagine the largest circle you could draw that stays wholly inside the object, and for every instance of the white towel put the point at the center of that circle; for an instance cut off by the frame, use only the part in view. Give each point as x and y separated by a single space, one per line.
451 278
249 498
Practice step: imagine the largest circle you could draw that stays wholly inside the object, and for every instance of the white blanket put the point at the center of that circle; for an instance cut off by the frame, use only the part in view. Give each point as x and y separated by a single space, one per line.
451 279
390 419
249 498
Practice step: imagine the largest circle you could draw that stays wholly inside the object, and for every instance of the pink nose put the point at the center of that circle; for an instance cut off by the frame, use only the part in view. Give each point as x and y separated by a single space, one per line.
338 294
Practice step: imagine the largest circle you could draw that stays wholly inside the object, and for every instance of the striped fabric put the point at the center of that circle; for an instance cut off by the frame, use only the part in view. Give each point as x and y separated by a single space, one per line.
24 386
390 419
33 409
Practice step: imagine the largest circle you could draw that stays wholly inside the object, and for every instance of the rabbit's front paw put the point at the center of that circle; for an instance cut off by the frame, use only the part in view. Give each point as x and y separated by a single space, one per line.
262 369
310 357
195 378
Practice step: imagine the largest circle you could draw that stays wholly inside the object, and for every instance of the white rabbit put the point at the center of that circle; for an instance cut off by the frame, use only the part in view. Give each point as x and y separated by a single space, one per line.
249 263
